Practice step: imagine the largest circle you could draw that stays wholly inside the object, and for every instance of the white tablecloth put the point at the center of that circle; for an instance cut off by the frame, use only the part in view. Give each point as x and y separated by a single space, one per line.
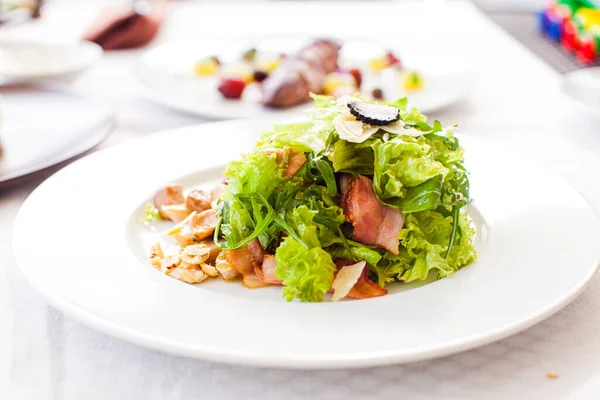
515 99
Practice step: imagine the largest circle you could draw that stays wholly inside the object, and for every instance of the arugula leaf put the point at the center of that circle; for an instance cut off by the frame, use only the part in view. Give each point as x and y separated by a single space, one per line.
425 196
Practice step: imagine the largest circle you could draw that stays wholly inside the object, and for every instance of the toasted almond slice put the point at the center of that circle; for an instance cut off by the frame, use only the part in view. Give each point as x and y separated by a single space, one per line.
209 270
189 273
195 254
346 278
169 263
156 251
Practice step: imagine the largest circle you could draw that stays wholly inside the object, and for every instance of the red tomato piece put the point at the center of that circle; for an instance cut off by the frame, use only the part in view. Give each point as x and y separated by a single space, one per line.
232 88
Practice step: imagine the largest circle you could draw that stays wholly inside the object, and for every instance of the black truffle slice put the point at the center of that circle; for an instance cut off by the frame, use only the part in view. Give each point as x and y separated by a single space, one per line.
374 114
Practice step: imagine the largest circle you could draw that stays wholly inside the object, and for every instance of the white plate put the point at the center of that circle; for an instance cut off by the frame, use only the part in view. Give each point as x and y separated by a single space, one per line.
166 74
43 126
22 62
537 243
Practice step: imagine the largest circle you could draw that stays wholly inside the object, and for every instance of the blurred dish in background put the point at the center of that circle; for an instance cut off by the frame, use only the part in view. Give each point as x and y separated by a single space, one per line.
128 28
43 127
583 86
272 77
25 62
15 11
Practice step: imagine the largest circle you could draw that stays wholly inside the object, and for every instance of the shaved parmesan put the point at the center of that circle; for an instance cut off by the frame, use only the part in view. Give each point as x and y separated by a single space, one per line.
346 278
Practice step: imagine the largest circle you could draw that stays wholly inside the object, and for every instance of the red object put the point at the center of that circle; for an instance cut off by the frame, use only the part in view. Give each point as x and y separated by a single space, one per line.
586 51
127 28
232 88
392 59
569 36
357 76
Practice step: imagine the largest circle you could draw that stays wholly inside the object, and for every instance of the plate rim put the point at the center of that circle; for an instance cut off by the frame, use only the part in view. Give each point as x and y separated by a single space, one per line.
357 360
95 50
102 132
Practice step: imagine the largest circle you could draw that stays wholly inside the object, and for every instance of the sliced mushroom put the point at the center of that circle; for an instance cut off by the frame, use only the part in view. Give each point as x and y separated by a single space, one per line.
216 193
175 212
168 196
185 237
198 200
203 224
214 251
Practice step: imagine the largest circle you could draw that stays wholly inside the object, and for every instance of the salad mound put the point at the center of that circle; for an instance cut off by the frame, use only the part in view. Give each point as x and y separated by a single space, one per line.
358 195
297 213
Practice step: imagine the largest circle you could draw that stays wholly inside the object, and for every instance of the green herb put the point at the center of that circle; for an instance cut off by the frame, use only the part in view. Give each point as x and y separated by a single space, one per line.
151 214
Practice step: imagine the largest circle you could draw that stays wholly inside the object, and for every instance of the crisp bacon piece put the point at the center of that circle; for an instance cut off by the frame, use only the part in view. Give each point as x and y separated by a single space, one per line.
266 272
374 223
366 288
293 159
244 261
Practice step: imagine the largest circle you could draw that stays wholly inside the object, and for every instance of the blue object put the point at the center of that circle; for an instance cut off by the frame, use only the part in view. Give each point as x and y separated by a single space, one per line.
553 29
542 20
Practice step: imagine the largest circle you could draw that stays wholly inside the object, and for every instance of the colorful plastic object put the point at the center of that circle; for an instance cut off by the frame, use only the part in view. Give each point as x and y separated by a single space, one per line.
575 24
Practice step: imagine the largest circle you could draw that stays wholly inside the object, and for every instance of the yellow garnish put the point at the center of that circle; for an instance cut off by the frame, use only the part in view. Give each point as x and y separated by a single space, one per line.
268 65
378 64
411 81
335 80
239 71
177 228
206 67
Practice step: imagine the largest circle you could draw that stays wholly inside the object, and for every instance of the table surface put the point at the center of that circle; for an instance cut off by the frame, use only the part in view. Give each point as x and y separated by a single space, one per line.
515 99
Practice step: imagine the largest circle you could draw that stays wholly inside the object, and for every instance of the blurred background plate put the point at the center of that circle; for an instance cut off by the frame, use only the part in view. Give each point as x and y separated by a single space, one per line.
166 73
40 127
24 61
583 86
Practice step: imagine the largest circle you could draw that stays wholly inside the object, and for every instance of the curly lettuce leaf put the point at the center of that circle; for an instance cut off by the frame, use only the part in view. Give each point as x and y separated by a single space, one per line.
401 163
304 137
423 246
254 173
352 157
305 268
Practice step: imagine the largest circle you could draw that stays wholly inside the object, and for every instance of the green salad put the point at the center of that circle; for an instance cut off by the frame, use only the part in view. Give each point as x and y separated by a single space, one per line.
357 181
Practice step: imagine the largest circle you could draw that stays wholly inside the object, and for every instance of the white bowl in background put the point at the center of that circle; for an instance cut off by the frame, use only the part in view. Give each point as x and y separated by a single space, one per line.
25 62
